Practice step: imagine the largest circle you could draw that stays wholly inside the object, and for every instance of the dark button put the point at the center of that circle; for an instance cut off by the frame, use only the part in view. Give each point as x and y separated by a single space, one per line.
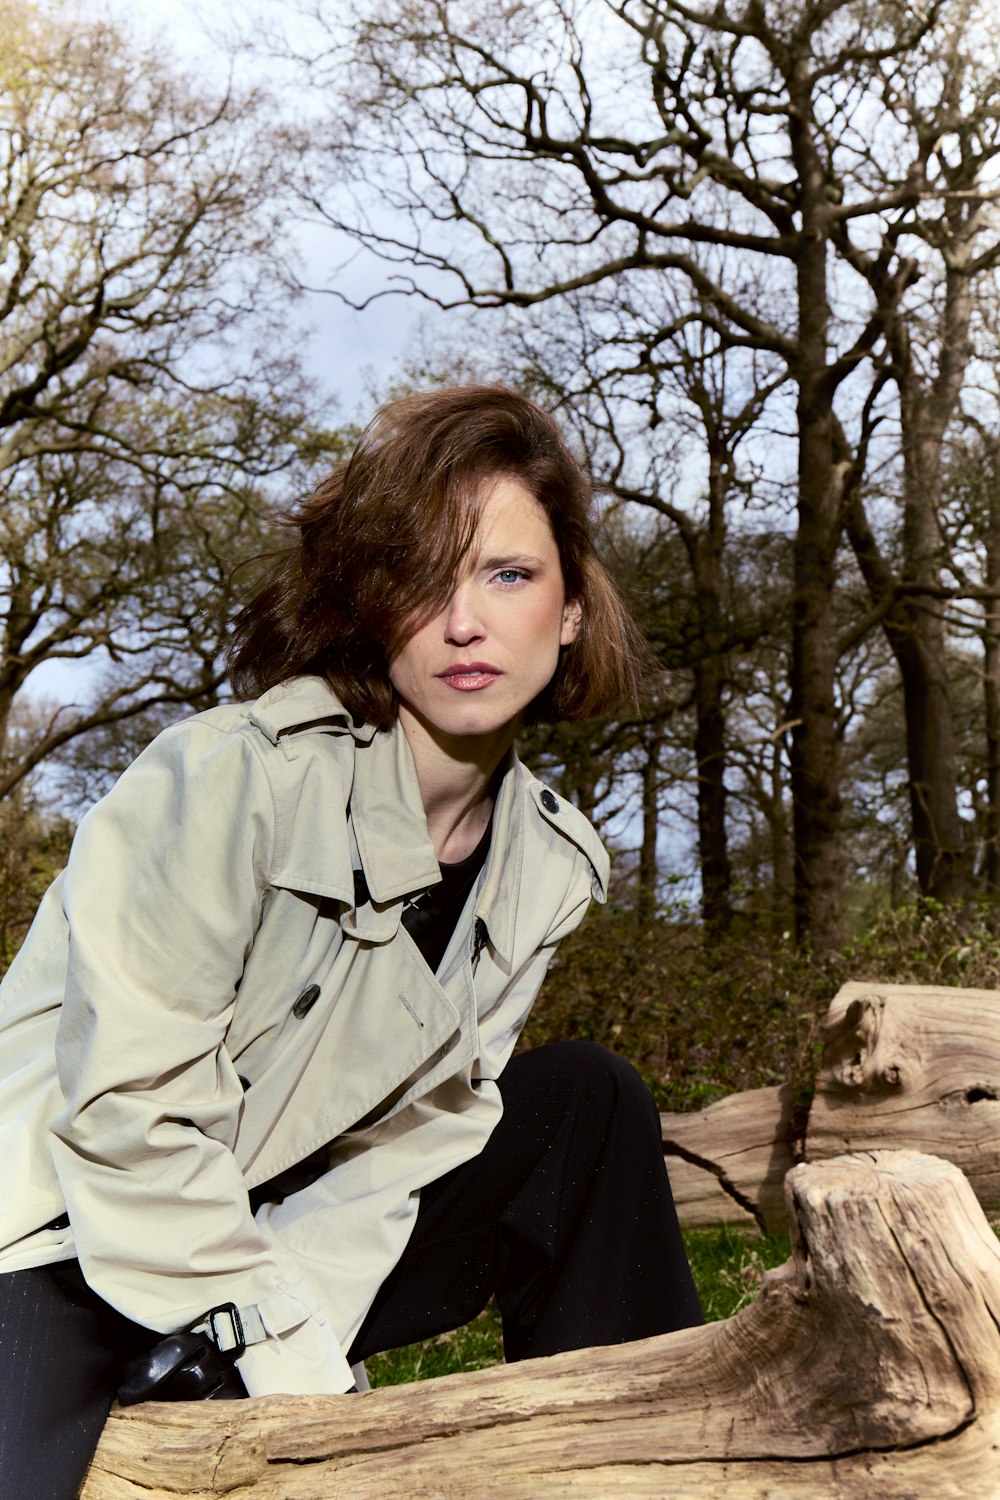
550 801
306 1001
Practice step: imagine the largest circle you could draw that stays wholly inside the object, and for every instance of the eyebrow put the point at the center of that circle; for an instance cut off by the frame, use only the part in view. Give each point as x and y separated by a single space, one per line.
515 559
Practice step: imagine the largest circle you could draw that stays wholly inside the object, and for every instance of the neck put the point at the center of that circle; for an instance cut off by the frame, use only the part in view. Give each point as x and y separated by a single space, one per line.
456 779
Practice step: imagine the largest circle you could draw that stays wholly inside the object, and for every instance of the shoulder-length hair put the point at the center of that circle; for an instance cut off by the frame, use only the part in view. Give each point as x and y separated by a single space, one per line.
380 542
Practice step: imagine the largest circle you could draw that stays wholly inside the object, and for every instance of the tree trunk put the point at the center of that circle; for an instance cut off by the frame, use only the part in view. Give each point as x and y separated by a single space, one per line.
782 868
913 1065
912 619
815 750
991 680
648 866
727 1162
938 833
710 759
711 673
869 1365
815 747
916 632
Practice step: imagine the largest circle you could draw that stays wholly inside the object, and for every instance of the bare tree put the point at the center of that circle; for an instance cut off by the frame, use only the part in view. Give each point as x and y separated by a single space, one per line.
946 96
525 154
146 389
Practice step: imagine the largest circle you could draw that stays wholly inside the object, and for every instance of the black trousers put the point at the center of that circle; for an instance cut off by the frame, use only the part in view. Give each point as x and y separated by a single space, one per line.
566 1216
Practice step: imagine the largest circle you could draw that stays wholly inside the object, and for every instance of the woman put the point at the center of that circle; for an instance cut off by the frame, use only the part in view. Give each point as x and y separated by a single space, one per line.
255 1073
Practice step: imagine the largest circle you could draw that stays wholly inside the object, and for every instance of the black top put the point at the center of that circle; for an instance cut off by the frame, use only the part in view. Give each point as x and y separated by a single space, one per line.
431 916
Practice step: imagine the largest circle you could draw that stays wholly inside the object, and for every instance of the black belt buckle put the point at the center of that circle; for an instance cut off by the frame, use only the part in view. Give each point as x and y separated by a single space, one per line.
232 1312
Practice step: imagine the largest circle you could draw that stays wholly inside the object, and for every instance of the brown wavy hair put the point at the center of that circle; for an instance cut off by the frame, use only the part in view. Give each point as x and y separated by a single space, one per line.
380 541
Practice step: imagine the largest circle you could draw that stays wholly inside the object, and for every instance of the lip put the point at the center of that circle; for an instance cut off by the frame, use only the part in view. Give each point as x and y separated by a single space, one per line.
469 676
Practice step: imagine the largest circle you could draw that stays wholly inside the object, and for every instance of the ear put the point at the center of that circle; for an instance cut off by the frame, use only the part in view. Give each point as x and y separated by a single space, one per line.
572 615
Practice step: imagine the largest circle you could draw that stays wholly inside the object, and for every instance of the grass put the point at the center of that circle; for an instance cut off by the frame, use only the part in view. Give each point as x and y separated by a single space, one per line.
475 1347
728 1266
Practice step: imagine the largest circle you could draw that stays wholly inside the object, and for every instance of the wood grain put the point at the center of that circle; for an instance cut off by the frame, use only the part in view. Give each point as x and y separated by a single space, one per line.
869 1365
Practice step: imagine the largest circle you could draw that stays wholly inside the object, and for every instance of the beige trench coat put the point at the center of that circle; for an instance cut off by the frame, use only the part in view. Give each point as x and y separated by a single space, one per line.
199 1005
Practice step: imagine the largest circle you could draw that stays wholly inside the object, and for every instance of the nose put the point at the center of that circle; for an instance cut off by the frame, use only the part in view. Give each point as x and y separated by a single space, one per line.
463 622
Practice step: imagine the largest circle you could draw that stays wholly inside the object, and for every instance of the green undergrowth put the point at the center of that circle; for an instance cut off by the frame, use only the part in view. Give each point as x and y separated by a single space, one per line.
705 1016
728 1266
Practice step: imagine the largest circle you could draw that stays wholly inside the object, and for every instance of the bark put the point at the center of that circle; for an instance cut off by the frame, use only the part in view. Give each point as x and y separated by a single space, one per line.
917 634
727 1162
942 863
991 688
710 759
916 637
913 1065
782 879
815 749
869 1364
710 677
648 870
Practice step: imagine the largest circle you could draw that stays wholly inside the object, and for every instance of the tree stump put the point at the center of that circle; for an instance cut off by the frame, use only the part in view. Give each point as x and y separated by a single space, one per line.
869 1365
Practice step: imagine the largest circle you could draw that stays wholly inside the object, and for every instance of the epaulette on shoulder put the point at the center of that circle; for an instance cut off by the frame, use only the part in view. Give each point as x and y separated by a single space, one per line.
576 827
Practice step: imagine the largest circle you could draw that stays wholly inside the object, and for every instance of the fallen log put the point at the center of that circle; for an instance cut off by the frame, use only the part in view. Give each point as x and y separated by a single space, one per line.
903 1066
916 1066
869 1364
727 1162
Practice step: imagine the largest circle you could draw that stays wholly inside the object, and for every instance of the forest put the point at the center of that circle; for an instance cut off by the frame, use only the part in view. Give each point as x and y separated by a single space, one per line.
747 253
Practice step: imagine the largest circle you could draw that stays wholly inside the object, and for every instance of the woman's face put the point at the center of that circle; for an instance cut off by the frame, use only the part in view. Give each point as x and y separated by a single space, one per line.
473 669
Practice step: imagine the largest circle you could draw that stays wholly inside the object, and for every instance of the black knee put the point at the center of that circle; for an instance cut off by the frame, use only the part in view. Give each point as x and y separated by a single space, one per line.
583 1062
583 1071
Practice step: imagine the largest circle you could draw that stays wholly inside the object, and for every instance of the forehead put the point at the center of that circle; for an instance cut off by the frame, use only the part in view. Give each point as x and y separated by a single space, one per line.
507 509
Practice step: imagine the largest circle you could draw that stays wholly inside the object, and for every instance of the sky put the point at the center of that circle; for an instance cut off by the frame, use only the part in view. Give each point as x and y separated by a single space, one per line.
348 352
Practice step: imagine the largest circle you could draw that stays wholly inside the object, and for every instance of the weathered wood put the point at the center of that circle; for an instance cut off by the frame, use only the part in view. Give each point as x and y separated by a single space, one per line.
727 1162
903 1066
869 1365
915 1066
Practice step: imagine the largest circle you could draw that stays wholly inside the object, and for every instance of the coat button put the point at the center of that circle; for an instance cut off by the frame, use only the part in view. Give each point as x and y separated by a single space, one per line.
550 801
306 1001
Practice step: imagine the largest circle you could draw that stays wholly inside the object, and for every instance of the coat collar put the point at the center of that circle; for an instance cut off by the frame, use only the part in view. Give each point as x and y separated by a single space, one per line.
387 814
396 852
497 904
331 763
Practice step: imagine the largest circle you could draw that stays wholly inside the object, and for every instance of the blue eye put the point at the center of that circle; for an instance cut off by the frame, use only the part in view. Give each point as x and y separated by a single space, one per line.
510 577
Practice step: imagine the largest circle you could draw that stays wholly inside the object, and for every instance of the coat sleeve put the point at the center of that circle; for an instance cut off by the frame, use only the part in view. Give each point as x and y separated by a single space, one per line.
162 900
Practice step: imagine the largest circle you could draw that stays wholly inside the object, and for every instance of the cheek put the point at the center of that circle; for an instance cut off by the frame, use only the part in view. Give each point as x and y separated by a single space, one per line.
401 668
542 630
407 653
552 617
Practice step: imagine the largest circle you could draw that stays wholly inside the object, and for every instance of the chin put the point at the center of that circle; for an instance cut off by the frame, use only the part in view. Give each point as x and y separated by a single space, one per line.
469 726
